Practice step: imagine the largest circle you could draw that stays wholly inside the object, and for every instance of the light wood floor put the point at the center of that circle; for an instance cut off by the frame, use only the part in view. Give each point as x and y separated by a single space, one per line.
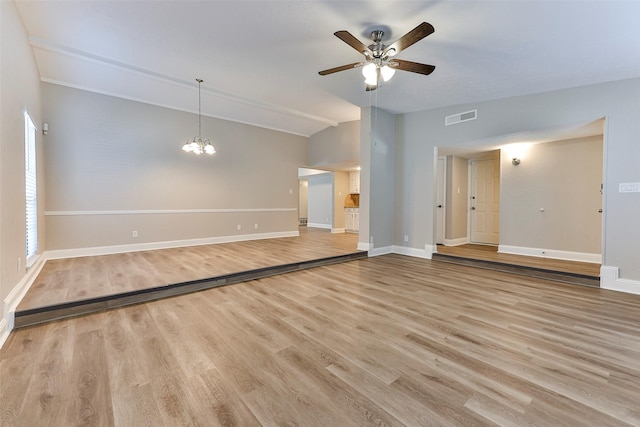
389 340
490 253
82 278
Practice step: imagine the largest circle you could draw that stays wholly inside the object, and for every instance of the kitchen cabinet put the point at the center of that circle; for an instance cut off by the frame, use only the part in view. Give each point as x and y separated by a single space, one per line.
351 220
354 182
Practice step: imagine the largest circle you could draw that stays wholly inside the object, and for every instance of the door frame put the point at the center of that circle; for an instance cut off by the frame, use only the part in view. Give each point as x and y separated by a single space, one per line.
443 189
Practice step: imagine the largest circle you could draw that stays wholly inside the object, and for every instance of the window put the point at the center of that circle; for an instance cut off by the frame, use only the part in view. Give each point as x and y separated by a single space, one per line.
30 188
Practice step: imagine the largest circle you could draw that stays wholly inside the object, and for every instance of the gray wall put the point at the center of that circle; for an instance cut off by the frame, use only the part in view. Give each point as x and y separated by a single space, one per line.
106 154
19 92
365 179
320 198
563 178
418 133
377 178
382 177
337 146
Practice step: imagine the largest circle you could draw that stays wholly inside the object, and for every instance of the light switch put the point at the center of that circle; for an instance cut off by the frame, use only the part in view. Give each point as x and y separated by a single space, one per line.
629 187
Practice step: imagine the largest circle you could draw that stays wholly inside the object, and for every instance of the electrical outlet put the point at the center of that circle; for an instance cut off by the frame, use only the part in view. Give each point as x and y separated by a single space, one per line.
406 238
239 227
255 226
19 264
370 239
134 234
290 191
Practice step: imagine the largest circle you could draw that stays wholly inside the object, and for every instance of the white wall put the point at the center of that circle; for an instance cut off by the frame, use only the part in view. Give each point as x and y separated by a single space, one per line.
320 200
418 133
336 147
19 91
550 200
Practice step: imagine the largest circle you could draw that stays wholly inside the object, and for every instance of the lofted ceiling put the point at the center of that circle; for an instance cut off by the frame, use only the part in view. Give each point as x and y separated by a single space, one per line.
260 59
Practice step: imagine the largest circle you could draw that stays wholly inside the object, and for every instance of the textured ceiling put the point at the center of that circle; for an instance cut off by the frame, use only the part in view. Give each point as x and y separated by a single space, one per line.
260 59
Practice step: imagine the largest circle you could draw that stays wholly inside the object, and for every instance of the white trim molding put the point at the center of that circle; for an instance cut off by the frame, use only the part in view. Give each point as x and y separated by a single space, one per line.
551 253
363 246
413 252
83 56
318 225
12 300
384 250
107 250
338 230
455 242
609 279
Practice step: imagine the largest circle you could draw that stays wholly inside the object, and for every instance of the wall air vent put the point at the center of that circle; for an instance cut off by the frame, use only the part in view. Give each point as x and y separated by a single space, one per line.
461 117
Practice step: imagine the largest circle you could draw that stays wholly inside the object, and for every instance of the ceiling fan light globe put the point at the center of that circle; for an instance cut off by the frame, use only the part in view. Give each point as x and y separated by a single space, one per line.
371 80
387 72
369 71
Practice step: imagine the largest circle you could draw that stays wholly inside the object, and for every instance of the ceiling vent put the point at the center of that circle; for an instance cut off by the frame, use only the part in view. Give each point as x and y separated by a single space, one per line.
461 117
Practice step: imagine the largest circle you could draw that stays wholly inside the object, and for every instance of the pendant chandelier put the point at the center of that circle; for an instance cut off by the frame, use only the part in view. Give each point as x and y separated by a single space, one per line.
199 145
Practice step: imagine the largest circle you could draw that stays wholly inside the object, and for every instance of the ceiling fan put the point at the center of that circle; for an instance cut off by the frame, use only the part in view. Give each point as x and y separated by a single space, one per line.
379 63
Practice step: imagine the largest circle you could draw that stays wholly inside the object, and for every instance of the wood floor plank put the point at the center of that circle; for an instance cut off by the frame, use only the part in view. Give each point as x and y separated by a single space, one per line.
89 400
68 280
389 340
490 253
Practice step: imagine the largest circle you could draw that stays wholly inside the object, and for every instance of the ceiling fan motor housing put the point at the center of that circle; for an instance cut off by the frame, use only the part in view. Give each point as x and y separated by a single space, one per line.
377 47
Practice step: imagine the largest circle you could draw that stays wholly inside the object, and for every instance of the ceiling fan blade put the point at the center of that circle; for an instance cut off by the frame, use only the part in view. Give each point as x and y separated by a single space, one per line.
349 39
414 67
413 36
341 68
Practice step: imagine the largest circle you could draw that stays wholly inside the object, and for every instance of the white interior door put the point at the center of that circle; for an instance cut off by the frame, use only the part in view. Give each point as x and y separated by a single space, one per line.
440 191
485 201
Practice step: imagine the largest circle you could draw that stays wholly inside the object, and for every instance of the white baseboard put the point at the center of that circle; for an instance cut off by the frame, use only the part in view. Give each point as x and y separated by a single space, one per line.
456 242
417 253
107 250
12 300
4 331
364 246
551 253
318 225
337 230
609 279
384 250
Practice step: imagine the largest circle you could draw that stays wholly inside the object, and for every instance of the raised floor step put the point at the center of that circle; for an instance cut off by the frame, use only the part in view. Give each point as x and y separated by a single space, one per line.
93 305
540 273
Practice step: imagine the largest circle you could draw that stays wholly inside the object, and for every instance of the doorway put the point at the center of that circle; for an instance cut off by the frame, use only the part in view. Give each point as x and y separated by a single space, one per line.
484 213
440 192
542 206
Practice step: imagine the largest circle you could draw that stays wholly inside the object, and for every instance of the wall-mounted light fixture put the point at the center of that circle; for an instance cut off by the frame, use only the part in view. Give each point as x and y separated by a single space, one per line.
516 152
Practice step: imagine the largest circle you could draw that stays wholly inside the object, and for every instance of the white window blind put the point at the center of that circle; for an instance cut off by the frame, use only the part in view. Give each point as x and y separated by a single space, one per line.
30 187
